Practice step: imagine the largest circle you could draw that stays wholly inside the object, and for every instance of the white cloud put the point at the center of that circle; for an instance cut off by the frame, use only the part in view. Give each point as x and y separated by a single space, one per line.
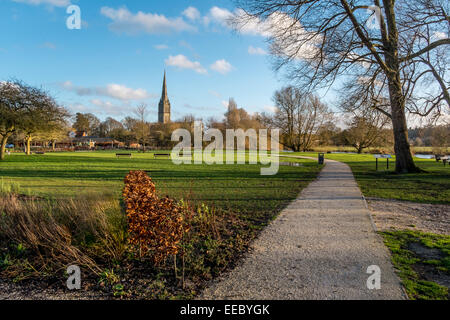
100 107
222 66
182 62
78 107
192 13
254 26
127 22
256 51
113 90
220 15
271 109
56 3
161 46
247 25
101 103
123 93
440 35
287 43
274 27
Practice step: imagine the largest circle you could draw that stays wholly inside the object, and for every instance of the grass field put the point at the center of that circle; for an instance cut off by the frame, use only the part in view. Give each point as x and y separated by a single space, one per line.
232 204
430 187
239 188
244 202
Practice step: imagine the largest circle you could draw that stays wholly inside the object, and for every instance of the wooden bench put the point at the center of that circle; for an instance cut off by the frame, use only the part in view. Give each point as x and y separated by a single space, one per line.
118 155
155 155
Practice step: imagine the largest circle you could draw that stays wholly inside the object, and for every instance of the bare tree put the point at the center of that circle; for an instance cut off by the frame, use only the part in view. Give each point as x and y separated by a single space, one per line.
440 139
141 129
299 116
239 118
366 131
403 56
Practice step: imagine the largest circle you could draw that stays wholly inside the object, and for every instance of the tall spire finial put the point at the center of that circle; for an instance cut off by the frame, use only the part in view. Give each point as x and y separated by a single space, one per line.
164 90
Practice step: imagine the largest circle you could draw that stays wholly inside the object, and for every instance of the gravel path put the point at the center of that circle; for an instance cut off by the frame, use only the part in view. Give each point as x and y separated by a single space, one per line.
319 248
400 215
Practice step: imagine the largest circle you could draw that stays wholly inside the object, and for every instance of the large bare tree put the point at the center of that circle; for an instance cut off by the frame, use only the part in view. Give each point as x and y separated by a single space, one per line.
299 116
398 49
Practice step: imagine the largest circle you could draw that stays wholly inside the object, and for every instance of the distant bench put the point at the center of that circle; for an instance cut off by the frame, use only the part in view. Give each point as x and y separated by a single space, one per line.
155 155
118 155
444 159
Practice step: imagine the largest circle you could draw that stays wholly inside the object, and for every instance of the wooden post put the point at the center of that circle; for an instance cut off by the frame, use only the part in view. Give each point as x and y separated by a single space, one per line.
377 163
388 163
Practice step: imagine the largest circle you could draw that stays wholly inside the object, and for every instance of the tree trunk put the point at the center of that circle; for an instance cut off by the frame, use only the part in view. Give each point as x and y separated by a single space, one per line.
4 141
404 162
28 149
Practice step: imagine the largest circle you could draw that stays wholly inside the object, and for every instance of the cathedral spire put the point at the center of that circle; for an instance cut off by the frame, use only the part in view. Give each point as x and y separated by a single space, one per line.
164 104
164 89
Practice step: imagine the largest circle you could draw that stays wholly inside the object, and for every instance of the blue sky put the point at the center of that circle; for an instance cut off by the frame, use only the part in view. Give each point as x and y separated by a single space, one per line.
117 59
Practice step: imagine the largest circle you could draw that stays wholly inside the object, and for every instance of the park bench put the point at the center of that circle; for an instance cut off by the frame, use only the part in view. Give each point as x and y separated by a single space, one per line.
444 159
118 155
155 155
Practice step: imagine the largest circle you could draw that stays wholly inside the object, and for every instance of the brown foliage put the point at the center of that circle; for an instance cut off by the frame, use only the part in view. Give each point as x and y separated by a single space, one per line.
39 229
156 226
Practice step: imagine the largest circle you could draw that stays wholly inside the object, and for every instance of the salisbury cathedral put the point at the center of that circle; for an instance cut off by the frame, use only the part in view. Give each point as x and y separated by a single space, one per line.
164 104
160 132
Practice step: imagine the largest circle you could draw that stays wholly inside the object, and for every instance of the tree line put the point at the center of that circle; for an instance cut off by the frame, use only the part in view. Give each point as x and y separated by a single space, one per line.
29 113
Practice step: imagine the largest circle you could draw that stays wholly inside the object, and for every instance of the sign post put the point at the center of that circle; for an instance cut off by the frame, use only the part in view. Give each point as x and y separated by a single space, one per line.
383 156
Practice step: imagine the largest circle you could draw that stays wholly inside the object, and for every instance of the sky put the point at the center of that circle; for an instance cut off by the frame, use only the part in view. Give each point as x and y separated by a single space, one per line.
117 59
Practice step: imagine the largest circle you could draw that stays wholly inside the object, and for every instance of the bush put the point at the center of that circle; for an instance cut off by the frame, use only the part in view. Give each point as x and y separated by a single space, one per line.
156 226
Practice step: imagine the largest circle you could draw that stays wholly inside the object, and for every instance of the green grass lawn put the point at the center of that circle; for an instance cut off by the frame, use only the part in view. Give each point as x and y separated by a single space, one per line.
430 187
419 268
239 188
236 203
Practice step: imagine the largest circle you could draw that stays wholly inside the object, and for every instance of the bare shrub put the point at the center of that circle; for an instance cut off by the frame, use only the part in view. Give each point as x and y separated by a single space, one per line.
59 233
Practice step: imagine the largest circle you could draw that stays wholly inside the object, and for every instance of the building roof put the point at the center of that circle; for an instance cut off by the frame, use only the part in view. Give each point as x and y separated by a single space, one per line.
96 140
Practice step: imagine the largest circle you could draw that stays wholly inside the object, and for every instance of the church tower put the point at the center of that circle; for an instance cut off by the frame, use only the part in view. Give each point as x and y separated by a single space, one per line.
164 105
